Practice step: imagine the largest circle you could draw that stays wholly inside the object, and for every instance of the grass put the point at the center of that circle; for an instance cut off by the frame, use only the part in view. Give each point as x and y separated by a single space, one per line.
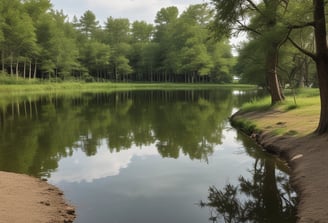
244 124
286 118
25 89
46 87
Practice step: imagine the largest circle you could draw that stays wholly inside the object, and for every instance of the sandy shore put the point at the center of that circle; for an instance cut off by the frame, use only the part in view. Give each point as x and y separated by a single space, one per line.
25 199
307 157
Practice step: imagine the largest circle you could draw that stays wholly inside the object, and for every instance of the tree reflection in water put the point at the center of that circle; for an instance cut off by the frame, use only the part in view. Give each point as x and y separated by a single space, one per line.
266 197
36 133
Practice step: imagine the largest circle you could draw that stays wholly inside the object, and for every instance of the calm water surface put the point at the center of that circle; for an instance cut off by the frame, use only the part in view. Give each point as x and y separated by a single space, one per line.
147 156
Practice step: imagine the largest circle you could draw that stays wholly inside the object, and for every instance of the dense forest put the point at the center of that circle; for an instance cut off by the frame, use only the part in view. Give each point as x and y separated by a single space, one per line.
190 46
38 42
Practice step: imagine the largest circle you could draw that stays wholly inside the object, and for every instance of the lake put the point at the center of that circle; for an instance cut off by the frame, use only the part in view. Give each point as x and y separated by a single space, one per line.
147 156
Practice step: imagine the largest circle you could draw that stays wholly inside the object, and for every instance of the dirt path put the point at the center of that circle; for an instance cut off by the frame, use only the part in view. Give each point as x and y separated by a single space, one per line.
308 158
25 199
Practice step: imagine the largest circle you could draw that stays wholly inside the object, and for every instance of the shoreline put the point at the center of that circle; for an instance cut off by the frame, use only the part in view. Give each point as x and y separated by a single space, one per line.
31 200
307 157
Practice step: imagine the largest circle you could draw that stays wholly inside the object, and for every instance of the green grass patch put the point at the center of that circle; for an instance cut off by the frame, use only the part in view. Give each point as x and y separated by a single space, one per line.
46 87
297 115
303 98
302 92
245 125
13 80
257 104
278 131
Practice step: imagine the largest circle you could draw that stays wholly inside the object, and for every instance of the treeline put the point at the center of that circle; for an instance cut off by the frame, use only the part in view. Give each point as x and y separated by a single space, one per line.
38 42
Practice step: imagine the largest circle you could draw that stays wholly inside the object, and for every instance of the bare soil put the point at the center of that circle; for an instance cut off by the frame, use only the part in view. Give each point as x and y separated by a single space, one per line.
24 199
307 156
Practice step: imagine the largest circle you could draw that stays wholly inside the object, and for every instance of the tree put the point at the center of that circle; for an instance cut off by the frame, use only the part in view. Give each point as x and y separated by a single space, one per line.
192 35
166 20
19 34
265 24
117 32
250 64
67 53
185 52
57 42
321 60
320 56
223 61
141 34
141 31
37 10
95 56
88 23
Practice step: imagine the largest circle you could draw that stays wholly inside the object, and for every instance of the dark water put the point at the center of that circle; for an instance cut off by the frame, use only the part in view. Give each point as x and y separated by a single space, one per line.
147 156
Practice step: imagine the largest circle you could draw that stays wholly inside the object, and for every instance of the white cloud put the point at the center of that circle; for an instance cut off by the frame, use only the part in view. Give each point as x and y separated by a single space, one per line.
132 9
80 167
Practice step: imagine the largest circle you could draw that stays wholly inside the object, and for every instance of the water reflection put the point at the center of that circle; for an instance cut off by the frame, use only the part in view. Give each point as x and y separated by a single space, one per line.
37 133
266 196
81 167
135 156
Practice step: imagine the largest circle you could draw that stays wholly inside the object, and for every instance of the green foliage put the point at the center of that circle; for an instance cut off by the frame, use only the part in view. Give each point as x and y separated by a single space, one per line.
88 23
39 42
141 31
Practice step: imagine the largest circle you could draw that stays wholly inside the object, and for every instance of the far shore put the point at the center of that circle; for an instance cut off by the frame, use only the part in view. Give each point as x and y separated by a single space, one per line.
77 86
305 153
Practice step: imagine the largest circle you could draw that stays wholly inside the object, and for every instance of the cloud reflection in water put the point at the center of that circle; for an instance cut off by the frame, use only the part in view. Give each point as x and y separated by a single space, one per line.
80 167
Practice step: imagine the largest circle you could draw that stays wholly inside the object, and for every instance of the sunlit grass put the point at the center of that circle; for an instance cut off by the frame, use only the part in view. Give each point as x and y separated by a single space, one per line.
257 104
46 87
296 116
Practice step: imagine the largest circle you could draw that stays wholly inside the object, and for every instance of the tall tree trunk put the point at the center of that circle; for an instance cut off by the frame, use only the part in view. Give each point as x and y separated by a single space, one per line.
321 61
24 70
30 70
35 68
306 72
11 65
151 73
272 53
271 74
17 69
3 60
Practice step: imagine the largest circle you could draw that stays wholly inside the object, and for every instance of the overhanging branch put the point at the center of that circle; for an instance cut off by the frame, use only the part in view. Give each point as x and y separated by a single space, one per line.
308 53
255 7
300 26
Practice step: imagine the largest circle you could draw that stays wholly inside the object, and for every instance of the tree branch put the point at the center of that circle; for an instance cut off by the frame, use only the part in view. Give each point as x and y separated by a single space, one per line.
247 28
308 53
255 7
301 25
284 40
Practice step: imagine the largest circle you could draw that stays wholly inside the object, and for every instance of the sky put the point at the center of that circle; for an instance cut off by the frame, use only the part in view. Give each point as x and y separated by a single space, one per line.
142 10
132 9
